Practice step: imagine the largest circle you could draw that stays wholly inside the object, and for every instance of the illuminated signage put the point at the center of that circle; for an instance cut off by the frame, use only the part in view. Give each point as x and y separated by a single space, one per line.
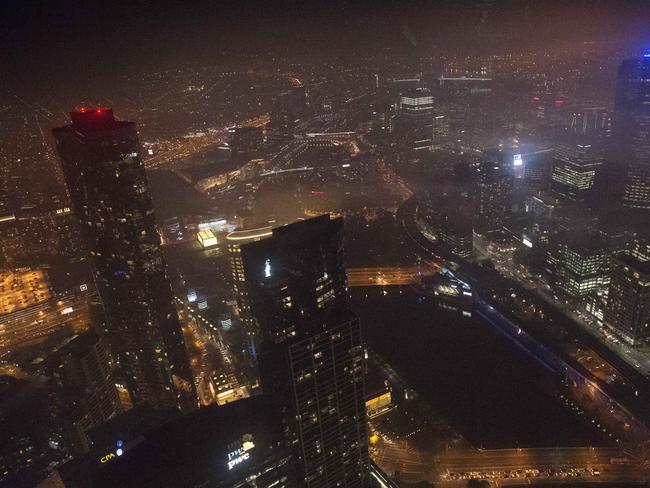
516 160
527 242
107 457
112 455
267 268
191 295
67 310
242 453
212 223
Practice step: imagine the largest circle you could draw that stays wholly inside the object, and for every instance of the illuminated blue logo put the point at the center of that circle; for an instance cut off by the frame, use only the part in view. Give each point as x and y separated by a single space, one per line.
646 53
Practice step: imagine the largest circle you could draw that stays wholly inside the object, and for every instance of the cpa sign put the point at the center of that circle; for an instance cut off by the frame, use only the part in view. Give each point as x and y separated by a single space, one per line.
112 455
107 457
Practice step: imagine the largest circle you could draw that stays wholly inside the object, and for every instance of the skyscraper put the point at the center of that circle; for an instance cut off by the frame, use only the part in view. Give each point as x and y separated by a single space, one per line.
578 264
250 326
416 119
311 359
632 129
574 169
628 303
108 187
494 195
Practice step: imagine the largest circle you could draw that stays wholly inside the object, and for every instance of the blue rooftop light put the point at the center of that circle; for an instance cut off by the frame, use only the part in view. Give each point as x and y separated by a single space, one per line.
646 53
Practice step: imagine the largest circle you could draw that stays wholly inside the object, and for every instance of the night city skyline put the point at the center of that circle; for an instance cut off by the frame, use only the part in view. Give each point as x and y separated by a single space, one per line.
325 244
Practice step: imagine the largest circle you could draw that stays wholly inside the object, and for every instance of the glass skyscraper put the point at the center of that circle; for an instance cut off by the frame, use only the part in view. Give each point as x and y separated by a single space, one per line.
107 183
311 358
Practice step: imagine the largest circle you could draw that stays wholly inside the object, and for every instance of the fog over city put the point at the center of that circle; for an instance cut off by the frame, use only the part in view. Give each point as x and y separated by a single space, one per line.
325 244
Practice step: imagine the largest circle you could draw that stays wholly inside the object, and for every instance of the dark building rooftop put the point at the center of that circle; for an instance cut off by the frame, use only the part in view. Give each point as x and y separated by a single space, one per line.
92 119
191 450
640 266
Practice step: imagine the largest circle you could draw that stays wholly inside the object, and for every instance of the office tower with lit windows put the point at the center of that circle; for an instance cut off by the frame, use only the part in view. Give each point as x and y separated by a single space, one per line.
628 302
494 181
593 122
250 326
440 133
108 187
311 359
578 264
574 170
632 129
640 248
416 119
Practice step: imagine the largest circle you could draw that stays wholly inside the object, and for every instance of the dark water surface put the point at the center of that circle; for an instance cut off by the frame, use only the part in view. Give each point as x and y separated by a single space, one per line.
491 391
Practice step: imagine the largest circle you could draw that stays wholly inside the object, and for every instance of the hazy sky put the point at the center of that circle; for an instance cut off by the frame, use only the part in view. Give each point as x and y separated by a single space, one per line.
63 36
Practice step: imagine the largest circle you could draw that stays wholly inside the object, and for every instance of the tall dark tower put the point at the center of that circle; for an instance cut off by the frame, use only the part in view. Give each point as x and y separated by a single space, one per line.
108 187
311 358
494 194
632 129
628 304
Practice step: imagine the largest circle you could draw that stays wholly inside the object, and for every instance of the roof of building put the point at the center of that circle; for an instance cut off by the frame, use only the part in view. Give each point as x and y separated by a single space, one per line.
642 267
186 451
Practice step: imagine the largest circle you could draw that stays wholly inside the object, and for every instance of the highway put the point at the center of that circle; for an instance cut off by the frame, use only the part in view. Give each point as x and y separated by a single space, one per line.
506 466
187 146
522 459
384 276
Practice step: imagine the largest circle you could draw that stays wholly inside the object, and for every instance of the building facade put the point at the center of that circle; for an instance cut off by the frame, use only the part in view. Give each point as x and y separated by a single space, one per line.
494 181
311 359
628 302
250 326
578 265
108 187
574 169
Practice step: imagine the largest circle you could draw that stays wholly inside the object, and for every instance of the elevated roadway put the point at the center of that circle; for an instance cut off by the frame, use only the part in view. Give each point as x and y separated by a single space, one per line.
385 276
